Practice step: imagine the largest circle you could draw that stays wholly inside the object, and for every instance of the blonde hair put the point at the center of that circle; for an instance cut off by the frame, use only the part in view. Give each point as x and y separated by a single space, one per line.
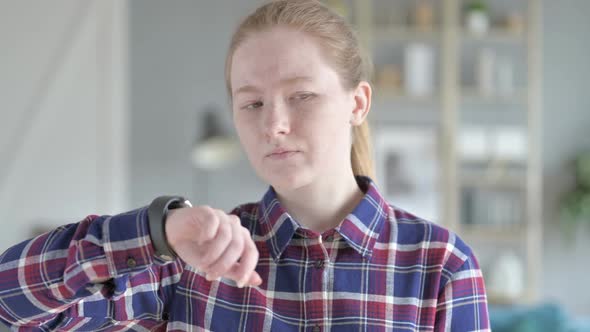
340 45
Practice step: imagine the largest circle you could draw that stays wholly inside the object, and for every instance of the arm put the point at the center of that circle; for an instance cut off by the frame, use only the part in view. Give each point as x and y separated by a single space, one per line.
462 303
44 276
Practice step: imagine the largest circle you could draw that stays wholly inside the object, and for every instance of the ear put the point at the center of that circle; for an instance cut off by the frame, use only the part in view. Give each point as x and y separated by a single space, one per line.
362 103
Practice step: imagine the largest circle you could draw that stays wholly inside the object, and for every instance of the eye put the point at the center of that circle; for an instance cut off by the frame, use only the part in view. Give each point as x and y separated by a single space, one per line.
253 106
304 96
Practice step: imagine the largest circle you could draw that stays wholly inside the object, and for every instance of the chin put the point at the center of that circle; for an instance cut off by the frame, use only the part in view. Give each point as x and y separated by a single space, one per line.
287 181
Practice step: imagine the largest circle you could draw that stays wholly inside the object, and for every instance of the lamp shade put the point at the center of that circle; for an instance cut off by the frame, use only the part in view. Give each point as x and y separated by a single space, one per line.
214 149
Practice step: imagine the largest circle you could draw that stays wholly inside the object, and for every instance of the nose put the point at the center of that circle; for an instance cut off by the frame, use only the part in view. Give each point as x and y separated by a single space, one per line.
276 122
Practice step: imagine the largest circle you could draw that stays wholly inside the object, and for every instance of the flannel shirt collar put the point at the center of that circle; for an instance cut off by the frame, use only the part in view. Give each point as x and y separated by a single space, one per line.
360 228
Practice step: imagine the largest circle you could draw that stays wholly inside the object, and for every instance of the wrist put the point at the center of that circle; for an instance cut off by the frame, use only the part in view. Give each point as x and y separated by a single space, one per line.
158 213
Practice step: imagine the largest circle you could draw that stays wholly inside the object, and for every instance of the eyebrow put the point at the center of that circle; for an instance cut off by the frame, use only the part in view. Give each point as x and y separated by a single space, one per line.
286 81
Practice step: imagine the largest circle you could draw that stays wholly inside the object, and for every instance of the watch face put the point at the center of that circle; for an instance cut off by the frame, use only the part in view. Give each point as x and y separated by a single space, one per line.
166 257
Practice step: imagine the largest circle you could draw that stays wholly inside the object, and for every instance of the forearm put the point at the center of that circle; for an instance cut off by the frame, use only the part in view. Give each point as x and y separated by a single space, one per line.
44 276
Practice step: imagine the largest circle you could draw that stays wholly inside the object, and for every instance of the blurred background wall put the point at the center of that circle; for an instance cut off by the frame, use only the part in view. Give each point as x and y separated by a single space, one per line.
63 119
101 105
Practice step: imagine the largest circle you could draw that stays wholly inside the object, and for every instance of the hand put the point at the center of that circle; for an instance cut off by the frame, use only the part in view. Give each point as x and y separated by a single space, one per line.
213 242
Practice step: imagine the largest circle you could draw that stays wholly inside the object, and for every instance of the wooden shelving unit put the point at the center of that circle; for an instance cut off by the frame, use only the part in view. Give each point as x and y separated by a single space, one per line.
455 102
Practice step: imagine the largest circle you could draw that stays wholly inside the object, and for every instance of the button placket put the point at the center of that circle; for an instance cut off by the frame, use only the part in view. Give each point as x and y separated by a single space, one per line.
317 258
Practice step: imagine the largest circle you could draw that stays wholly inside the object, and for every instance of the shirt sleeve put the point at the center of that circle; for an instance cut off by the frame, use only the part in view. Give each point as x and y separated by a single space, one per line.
42 277
462 303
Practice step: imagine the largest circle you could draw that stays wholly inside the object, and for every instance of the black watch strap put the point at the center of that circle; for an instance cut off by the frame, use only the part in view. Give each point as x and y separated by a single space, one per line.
157 213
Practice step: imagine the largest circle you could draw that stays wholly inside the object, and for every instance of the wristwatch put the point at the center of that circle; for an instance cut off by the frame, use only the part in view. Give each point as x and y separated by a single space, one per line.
157 214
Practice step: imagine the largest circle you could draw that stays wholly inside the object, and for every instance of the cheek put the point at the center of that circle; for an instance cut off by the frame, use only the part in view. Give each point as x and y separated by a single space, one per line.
245 133
250 137
329 136
333 124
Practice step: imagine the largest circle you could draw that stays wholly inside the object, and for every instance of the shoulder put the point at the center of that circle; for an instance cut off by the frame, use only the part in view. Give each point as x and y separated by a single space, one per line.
439 244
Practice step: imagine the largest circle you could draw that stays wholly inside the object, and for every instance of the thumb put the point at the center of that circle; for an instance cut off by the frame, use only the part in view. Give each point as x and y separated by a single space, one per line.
255 279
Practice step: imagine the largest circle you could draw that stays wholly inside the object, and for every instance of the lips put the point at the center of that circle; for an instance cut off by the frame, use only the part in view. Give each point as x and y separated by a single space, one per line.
281 153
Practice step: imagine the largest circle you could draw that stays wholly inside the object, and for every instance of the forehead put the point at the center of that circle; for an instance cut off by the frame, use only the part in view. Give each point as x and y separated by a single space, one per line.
278 54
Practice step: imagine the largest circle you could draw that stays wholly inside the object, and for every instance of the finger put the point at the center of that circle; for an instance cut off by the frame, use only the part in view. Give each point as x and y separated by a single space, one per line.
207 221
230 256
211 251
242 271
255 279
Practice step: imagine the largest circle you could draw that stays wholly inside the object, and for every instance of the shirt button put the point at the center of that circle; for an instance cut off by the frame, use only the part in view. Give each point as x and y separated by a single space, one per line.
316 328
165 316
319 263
131 263
329 238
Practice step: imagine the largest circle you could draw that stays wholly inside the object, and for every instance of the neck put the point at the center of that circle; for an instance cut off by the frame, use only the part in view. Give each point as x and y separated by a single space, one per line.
324 203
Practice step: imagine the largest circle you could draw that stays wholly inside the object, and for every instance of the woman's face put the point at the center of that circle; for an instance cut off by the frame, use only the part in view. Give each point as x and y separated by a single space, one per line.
290 110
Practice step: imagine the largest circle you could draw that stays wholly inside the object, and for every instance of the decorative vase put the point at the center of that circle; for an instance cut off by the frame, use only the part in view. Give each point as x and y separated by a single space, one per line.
419 70
424 17
478 22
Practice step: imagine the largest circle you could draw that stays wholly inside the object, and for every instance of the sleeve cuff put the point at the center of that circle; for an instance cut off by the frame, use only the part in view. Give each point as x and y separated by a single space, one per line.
127 243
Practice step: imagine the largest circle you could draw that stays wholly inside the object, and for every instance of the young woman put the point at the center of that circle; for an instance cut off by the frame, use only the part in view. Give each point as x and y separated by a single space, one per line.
321 251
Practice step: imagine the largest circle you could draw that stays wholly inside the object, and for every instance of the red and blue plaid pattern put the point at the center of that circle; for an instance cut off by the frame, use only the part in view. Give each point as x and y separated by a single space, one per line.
382 269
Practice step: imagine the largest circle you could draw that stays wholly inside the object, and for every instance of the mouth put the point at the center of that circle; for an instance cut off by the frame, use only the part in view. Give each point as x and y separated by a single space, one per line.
281 155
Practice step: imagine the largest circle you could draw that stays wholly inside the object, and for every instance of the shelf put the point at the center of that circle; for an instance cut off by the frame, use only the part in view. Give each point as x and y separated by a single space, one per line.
379 117
492 180
503 300
406 33
489 202
495 233
494 35
493 174
395 106
399 96
471 95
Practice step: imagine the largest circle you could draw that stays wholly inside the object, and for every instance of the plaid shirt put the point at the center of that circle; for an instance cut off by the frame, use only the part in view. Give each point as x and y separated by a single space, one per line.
380 269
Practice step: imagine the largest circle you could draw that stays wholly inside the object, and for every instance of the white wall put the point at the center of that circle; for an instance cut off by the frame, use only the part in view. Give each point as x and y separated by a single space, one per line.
63 116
